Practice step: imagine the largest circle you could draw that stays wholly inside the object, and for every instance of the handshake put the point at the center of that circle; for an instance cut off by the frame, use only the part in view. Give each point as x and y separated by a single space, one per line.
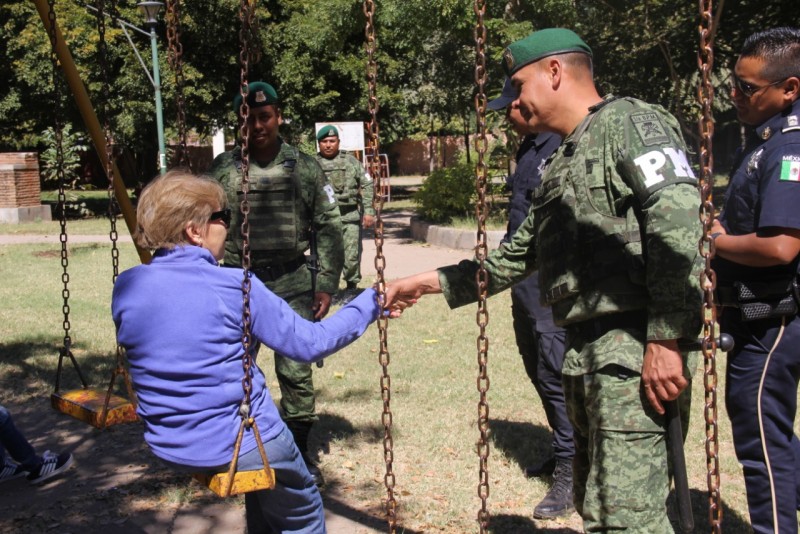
405 292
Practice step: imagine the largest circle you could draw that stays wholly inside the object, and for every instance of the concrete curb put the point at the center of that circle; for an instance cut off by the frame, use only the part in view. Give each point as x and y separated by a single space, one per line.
454 238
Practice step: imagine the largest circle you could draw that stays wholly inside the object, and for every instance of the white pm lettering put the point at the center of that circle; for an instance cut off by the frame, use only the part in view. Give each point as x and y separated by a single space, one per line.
650 163
680 162
653 161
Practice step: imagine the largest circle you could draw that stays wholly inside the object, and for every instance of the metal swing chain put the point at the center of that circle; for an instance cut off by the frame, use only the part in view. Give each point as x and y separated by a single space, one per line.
247 13
175 58
66 349
390 504
102 53
113 207
481 251
705 93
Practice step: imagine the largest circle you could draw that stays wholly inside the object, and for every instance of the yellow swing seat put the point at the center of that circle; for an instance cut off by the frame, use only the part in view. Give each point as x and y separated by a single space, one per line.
243 481
86 404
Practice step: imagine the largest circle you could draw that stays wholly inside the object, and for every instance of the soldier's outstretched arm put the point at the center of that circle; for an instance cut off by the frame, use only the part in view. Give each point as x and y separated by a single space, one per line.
404 292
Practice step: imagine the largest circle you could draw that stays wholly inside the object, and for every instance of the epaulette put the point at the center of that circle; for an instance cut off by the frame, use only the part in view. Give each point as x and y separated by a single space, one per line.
792 124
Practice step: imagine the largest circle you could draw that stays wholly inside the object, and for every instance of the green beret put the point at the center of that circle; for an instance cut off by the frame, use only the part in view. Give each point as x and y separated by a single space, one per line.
259 94
327 131
541 44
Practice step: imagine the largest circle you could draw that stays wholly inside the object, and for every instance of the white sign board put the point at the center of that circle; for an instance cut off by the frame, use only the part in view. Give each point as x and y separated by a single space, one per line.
351 134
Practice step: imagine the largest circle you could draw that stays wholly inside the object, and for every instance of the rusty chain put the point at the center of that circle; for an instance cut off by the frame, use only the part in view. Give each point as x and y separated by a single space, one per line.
58 130
113 206
705 94
373 159
175 58
246 15
481 251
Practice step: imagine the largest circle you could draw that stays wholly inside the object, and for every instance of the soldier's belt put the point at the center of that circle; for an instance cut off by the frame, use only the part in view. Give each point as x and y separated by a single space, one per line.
344 210
270 273
594 328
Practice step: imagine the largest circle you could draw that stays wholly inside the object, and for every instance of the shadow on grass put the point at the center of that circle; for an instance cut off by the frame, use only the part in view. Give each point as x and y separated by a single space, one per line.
25 362
506 523
523 443
732 522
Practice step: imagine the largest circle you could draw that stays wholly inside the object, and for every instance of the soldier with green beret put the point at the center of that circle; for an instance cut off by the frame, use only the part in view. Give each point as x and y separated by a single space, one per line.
291 203
353 187
613 231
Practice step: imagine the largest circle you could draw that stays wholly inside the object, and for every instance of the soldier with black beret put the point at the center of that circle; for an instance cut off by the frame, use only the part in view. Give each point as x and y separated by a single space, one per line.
353 187
291 202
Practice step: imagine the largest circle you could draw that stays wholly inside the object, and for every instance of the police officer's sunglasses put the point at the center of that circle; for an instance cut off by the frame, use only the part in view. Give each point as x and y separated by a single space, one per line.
747 89
222 215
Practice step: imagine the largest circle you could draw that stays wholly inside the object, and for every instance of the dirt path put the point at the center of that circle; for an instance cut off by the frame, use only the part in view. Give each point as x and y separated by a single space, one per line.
116 485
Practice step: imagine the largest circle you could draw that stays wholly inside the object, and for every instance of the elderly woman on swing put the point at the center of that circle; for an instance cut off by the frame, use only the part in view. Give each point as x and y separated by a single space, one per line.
180 321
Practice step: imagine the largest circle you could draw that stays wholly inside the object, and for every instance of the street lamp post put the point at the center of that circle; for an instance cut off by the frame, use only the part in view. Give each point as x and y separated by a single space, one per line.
150 11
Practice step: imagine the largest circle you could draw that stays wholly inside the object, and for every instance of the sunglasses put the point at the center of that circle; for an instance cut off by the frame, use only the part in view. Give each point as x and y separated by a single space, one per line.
749 89
222 215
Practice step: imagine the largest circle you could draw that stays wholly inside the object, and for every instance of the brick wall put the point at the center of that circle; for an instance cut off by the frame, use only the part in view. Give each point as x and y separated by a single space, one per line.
19 179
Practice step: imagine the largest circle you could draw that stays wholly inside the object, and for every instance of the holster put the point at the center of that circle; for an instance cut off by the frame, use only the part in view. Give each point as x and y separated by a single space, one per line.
766 300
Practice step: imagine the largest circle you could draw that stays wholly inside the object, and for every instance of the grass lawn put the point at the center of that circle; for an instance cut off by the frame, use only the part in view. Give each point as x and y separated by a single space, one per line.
433 397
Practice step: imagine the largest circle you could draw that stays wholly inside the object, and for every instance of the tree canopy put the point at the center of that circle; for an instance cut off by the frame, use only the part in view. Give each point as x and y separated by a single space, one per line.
313 52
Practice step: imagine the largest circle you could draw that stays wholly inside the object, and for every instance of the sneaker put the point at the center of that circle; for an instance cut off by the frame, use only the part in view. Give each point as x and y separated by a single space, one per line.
52 465
11 470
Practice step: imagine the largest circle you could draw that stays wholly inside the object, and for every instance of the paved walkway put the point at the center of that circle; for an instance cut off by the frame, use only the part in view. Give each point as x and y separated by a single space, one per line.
107 470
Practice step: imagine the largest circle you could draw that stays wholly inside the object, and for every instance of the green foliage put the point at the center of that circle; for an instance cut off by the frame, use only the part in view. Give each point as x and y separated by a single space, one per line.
447 193
313 52
72 145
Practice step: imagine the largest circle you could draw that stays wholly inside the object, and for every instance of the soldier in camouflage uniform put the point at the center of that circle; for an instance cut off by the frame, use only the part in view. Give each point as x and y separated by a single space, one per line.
353 187
291 203
613 231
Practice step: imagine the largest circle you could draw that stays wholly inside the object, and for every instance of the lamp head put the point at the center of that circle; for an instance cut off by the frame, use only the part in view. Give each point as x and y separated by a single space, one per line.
150 11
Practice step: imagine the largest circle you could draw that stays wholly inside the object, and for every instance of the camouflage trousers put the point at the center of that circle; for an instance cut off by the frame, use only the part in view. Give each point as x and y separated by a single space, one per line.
296 381
621 469
351 235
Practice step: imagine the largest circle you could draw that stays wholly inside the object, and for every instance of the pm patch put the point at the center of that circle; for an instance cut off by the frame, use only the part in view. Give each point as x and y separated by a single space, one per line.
329 191
790 169
650 129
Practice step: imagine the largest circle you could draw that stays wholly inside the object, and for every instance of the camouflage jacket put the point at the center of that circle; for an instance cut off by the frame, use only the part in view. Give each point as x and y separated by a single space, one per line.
310 203
352 184
617 197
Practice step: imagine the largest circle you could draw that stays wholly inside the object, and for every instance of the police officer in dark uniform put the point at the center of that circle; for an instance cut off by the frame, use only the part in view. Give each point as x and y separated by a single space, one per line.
539 340
757 241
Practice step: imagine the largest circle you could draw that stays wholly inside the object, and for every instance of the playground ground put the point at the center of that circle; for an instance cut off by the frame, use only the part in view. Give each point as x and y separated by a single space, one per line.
106 490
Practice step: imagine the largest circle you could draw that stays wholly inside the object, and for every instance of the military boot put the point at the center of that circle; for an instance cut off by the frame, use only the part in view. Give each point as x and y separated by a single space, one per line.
558 501
300 430
541 469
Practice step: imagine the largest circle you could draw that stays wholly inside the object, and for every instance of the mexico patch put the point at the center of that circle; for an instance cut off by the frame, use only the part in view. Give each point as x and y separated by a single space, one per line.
649 128
790 169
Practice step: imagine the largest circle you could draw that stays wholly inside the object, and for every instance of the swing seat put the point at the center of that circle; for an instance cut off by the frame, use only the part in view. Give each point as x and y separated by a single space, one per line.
86 404
243 481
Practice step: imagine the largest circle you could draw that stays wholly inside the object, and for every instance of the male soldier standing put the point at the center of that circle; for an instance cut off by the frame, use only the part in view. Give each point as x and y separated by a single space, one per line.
291 202
757 243
539 340
353 187
614 233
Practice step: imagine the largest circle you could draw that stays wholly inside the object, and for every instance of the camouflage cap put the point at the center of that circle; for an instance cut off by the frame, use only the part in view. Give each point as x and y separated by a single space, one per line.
259 94
505 99
327 131
541 44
